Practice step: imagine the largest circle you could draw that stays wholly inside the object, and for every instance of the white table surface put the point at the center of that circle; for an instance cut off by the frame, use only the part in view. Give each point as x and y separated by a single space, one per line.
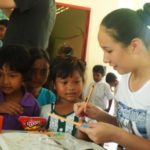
30 141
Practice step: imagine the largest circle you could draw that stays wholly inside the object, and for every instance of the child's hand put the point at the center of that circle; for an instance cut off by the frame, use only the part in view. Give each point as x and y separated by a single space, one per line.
11 108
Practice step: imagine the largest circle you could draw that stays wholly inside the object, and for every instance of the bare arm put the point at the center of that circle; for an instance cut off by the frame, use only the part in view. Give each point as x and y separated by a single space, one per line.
11 108
131 141
105 117
103 132
7 4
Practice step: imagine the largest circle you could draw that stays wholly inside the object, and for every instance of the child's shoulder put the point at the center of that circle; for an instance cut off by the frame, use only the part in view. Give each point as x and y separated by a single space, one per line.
47 106
45 91
45 110
28 99
46 96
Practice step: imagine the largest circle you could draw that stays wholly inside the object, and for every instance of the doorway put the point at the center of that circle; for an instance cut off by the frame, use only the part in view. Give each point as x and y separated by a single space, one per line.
71 28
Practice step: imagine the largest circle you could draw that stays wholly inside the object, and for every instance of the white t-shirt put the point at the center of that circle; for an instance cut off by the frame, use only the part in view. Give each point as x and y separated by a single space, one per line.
133 108
101 94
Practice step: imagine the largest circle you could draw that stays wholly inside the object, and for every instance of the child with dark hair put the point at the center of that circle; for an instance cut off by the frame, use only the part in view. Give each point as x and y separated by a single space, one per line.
68 79
15 101
39 71
65 51
99 69
111 79
101 95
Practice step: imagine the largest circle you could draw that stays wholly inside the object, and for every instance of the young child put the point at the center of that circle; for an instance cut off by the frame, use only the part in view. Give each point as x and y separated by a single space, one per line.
101 93
15 101
112 80
68 79
39 72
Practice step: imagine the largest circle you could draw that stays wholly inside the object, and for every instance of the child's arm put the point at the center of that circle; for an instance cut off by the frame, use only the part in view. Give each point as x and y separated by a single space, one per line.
11 108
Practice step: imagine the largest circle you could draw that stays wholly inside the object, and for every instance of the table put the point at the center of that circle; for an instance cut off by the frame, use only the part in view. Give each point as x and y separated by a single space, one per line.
21 140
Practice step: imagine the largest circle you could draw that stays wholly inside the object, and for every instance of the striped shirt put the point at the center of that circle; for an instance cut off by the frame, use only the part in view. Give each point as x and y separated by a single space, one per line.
55 125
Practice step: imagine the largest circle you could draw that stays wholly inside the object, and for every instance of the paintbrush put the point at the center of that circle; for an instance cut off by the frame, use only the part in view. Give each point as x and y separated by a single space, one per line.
64 119
87 99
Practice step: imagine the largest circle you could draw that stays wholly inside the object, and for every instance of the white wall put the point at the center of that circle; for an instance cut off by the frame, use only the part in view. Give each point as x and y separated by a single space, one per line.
99 8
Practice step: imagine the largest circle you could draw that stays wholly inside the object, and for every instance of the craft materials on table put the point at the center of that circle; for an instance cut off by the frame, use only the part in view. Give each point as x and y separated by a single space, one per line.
27 141
55 135
23 140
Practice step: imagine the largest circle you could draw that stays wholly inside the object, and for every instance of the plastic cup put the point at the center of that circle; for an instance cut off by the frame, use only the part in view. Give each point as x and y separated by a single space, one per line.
1 122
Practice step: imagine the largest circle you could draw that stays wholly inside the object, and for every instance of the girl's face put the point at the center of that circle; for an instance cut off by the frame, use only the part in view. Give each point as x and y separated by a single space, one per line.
10 81
70 88
118 56
39 73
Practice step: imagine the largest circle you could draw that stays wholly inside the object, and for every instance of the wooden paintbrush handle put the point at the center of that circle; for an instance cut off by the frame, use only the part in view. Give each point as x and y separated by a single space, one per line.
64 119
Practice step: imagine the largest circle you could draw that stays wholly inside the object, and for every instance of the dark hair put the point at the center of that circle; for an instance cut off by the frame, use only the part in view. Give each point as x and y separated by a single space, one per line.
66 50
110 77
37 54
125 24
4 22
66 66
16 57
99 69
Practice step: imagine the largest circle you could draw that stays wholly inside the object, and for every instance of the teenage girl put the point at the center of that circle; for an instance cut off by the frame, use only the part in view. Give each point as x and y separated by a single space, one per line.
126 46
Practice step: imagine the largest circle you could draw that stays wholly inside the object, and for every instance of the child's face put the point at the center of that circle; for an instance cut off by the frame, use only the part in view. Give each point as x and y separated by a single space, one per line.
10 81
39 73
70 88
97 76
